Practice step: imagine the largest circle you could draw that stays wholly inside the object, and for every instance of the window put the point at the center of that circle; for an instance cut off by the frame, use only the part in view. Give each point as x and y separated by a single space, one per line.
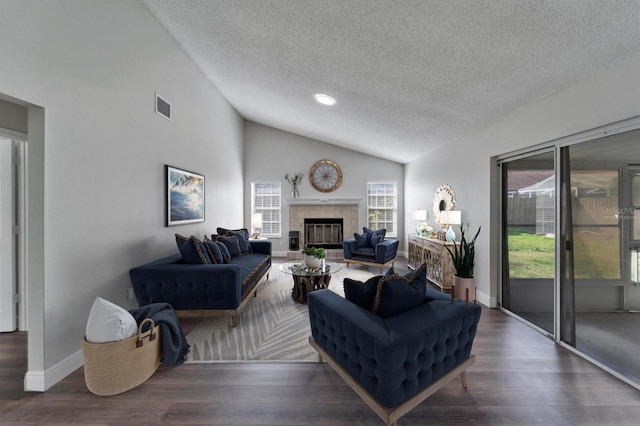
382 210
265 199
634 213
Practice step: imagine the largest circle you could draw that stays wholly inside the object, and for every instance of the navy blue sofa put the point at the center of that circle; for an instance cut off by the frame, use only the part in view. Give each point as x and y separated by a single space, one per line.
394 363
203 290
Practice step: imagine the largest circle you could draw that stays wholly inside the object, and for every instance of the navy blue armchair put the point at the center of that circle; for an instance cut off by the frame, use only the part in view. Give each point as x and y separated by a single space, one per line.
394 363
370 249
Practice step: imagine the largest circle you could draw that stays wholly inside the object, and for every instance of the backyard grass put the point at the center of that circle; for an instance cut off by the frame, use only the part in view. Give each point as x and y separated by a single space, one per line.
596 254
530 255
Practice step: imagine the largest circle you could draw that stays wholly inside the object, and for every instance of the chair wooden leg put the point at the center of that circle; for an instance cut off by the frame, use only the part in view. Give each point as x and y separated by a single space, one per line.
319 358
463 378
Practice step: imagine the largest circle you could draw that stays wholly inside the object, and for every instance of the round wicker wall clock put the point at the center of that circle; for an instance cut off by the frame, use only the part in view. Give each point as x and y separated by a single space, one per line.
325 176
444 199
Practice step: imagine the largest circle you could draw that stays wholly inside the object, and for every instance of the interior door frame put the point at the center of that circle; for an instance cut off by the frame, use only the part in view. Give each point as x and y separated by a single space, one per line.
19 142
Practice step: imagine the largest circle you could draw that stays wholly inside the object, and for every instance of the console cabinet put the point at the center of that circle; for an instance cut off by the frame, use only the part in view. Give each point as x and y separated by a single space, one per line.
432 252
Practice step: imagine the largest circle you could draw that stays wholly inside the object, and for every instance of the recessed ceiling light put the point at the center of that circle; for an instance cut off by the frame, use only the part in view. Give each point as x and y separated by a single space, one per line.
324 99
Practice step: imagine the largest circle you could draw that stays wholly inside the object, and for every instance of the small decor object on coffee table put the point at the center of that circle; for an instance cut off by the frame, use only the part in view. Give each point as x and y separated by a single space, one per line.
313 256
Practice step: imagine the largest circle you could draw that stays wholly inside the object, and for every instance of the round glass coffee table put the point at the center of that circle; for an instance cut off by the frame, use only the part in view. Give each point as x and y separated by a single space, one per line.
306 280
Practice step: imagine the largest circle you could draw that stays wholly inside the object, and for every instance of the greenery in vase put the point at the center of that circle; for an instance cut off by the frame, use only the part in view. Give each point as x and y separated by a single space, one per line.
295 180
463 256
317 252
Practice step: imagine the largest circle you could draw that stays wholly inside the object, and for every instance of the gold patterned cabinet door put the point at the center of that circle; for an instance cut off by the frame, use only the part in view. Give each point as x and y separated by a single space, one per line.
432 252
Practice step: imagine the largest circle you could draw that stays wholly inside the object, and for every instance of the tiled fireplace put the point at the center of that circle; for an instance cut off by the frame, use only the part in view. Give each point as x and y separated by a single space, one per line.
333 213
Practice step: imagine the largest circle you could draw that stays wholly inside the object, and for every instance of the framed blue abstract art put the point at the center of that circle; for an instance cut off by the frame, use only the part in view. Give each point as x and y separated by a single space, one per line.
184 195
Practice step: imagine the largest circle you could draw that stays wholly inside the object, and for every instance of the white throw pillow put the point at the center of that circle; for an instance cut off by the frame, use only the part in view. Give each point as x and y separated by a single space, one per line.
109 322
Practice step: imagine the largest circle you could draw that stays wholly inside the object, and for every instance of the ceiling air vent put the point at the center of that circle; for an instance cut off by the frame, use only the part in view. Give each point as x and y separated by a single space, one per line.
163 107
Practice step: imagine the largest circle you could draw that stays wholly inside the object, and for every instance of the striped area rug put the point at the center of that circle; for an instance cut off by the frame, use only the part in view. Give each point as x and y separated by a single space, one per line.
272 327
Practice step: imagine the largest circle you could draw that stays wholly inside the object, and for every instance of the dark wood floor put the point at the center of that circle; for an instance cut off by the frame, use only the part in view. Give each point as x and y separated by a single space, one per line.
520 378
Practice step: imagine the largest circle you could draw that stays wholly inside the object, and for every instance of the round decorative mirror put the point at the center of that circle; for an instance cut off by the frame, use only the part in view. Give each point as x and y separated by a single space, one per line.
444 199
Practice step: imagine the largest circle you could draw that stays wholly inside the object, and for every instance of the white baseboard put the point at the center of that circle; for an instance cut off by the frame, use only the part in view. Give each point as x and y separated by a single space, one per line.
484 299
40 381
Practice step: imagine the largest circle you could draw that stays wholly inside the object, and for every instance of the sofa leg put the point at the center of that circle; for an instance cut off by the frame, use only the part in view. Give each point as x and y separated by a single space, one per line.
463 378
234 320
255 292
319 358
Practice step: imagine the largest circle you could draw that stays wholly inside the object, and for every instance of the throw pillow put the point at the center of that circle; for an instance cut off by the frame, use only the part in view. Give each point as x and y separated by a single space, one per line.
226 256
375 239
361 293
419 274
193 251
232 244
361 240
382 231
180 240
397 294
241 234
213 251
109 322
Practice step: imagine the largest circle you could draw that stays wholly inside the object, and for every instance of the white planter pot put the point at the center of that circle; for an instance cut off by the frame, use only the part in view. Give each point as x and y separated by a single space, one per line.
460 286
312 262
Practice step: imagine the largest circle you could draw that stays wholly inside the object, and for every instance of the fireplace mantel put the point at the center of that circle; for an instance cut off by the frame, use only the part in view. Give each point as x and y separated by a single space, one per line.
323 201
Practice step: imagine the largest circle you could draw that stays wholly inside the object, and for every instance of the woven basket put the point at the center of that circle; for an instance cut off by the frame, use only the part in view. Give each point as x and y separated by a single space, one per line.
116 367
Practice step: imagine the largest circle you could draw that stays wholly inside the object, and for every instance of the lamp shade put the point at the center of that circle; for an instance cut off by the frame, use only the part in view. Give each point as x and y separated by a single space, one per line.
419 214
256 220
444 217
454 217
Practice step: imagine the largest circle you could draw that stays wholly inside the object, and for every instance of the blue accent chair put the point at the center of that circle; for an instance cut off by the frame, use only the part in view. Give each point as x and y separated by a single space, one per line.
370 249
394 363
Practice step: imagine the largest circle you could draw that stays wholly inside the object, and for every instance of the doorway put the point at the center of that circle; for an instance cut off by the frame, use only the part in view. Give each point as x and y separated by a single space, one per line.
12 284
570 233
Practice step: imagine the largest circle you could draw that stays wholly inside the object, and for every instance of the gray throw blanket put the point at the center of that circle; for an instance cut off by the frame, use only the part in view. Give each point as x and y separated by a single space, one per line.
174 344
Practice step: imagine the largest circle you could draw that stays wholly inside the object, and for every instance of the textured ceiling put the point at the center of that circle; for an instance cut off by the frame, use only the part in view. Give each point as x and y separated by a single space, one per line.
408 76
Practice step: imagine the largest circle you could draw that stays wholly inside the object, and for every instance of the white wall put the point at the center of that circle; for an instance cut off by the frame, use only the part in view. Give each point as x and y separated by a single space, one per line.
271 153
93 67
601 100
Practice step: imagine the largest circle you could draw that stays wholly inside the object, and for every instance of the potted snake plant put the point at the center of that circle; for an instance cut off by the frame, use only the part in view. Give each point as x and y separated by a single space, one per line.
463 258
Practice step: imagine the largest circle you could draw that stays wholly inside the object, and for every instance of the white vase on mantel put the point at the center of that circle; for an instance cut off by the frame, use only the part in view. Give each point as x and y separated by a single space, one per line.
294 192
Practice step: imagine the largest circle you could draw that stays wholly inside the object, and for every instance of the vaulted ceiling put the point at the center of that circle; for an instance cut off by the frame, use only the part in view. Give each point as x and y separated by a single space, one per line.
408 76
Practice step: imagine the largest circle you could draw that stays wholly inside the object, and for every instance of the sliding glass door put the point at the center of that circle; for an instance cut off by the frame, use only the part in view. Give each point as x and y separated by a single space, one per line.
602 216
529 200
570 246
